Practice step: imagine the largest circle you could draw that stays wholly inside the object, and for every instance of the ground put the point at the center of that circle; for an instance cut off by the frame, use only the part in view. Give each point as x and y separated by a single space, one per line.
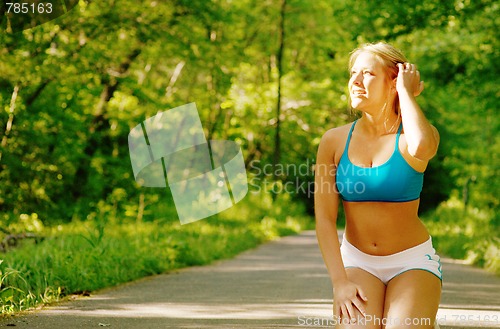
281 284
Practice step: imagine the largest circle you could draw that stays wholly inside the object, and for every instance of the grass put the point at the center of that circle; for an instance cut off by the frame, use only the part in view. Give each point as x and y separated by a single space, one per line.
469 234
86 256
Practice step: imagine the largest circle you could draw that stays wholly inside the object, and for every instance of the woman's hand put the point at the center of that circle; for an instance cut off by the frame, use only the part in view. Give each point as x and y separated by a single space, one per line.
348 297
409 79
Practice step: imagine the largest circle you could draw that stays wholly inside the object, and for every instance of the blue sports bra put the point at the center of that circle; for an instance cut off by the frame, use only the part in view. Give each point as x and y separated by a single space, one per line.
393 181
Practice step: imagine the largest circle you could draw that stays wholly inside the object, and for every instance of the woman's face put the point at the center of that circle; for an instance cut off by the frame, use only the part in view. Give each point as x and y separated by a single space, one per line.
368 85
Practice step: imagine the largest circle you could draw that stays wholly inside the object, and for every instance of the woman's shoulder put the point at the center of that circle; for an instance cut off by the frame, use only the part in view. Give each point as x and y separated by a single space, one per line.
337 134
333 142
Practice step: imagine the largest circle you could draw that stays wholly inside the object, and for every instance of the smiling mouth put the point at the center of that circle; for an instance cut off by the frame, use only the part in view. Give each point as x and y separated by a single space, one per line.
358 93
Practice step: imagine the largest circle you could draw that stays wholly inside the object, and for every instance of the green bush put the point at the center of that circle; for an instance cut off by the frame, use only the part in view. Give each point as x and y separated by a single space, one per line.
465 233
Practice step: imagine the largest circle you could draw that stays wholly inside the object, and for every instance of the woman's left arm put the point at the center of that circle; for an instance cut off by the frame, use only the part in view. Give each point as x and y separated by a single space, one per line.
421 136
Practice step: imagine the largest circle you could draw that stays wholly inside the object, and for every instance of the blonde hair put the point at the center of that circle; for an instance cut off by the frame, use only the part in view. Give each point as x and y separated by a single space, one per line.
388 56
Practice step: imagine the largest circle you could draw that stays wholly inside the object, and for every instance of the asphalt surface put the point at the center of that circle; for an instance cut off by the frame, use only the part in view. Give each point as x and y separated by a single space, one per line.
281 284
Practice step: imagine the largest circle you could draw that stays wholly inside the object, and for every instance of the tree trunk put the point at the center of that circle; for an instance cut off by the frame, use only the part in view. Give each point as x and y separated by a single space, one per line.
279 64
99 127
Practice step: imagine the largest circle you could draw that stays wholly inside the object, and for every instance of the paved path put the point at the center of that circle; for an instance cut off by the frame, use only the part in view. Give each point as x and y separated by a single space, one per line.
282 284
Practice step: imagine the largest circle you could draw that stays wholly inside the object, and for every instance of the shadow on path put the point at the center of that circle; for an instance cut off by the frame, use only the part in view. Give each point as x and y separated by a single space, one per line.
282 284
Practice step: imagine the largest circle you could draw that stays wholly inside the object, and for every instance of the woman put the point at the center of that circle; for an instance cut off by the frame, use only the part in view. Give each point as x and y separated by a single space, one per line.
386 273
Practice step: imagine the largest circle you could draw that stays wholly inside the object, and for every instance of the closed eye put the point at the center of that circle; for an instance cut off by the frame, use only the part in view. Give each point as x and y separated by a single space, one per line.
365 72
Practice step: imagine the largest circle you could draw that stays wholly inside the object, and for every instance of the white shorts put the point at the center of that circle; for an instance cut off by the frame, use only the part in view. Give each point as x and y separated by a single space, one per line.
421 257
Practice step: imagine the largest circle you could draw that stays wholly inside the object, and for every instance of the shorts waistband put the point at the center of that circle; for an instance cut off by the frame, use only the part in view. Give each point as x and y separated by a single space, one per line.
399 257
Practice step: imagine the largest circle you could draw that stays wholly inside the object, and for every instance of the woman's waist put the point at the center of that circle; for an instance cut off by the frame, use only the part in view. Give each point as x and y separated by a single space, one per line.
385 235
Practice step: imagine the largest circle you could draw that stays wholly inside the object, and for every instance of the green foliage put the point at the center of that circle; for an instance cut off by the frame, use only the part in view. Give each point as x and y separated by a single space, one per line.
71 90
466 233
86 78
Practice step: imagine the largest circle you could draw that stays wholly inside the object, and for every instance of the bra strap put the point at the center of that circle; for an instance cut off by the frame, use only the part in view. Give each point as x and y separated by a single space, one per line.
397 135
349 137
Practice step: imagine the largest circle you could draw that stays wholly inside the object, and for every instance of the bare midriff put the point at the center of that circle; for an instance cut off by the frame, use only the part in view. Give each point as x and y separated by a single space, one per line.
384 228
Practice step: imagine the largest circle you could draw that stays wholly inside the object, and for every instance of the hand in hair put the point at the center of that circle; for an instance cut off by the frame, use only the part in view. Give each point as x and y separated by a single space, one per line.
408 79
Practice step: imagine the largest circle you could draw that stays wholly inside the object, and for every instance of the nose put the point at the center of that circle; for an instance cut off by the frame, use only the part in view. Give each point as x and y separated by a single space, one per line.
356 79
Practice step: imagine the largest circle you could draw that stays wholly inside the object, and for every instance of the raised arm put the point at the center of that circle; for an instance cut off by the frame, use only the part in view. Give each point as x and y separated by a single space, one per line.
421 136
326 201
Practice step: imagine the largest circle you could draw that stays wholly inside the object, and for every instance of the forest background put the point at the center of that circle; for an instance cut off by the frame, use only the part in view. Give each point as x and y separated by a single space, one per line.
270 75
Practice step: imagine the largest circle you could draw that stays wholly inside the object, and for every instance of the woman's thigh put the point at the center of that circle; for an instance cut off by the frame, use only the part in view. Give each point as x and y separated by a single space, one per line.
412 300
374 307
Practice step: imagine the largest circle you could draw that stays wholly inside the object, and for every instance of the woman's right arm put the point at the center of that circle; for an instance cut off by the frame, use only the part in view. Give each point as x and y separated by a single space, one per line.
326 203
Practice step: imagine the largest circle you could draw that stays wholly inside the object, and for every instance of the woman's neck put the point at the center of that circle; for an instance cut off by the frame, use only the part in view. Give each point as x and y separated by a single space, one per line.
378 125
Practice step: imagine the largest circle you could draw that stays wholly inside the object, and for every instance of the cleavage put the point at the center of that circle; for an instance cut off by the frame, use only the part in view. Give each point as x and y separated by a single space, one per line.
369 153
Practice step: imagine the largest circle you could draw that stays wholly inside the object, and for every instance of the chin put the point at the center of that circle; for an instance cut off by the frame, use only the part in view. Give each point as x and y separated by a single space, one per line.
356 104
